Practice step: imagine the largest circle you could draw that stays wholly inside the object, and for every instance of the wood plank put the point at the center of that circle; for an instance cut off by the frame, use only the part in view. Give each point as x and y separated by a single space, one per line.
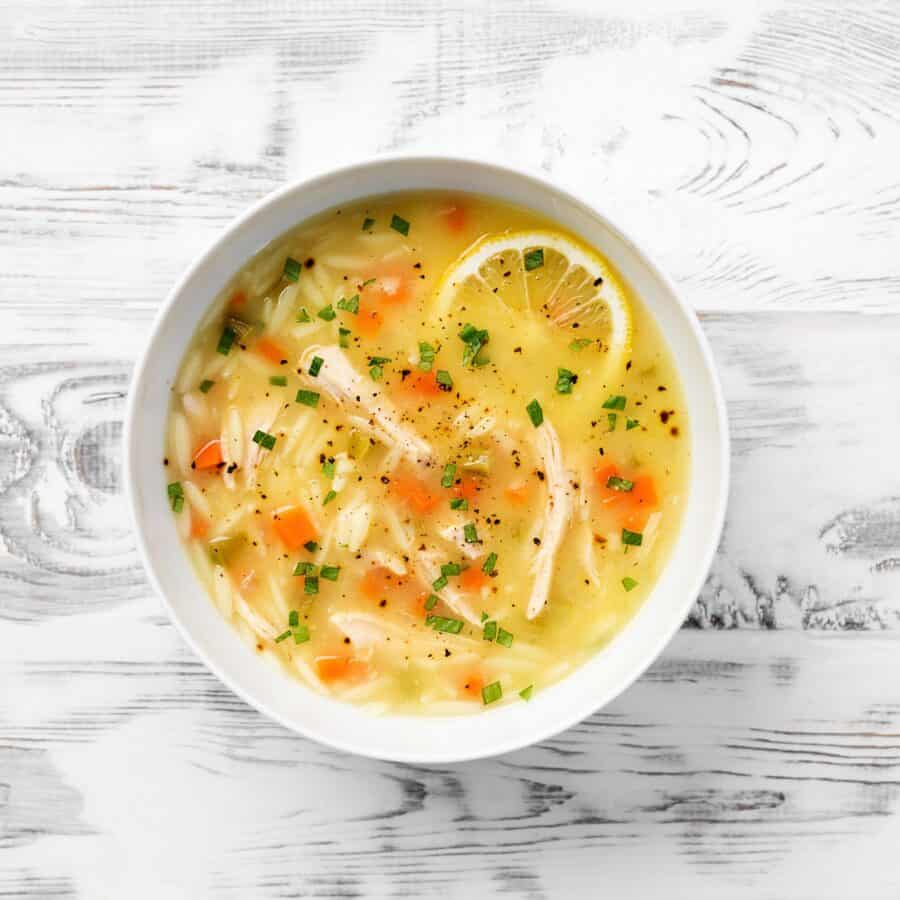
727 765
752 147
760 139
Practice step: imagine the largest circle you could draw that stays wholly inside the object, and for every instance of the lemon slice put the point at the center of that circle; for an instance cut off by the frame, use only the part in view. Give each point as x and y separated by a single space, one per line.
544 273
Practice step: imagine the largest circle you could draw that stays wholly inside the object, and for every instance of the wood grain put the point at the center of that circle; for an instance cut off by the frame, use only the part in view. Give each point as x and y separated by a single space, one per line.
753 147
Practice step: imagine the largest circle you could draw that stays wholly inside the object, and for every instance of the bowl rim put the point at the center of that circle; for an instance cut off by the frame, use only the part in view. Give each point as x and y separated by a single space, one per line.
536 182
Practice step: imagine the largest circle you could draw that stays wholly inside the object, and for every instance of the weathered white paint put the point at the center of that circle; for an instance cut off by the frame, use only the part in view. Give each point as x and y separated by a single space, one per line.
753 147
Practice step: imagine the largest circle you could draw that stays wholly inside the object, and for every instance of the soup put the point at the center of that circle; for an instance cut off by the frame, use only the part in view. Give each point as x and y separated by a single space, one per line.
428 451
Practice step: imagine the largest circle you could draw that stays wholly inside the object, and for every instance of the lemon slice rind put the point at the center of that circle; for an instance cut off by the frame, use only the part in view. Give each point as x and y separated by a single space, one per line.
600 287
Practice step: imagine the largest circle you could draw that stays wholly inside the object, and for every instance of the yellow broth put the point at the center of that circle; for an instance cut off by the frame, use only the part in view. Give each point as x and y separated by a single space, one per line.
383 543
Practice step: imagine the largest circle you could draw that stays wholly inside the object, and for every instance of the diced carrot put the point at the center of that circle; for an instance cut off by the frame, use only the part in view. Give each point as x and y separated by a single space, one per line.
271 350
473 579
642 502
208 456
390 288
415 493
467 487
199 524
417 603
457 217
368 320
341 668
294 526
379 582
238 299
471 686
518 493
634 506
425 384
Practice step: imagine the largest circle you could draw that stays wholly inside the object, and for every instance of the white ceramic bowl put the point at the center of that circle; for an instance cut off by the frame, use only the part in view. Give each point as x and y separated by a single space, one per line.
261 683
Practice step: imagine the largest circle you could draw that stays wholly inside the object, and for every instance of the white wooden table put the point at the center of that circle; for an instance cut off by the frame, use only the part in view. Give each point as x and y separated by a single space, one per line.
756 149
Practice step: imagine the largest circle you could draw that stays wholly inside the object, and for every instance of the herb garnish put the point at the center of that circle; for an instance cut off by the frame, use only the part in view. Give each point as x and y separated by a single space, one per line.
292 269
264 439
564 381
474 339
399 224
176 496
308 398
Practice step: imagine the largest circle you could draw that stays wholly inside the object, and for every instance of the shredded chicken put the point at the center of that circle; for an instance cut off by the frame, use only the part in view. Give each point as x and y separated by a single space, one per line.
556 519
374 412
455 534
427 564
365 630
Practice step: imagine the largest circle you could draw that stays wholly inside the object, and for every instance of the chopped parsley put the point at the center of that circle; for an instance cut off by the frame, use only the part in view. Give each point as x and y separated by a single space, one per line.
329 497
619 484
445 382
632 538
283 636
535 413
294 618
471 534
504 638
349 304
629 583
451 569
305 568
367 224
278 380
449 475
226 340
327 313
330 573
301 634
205 385
611 421
459 503
399 224
376 367
264 439
490 631
474 339
614 401
526 693
344 337
431 601
316 366
176 496
292 269
448 626
631 423
489 564
564 381
439 583
328 468
303 315
580 343
426 356
311 546
308 398
491 692
534 259
311 584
